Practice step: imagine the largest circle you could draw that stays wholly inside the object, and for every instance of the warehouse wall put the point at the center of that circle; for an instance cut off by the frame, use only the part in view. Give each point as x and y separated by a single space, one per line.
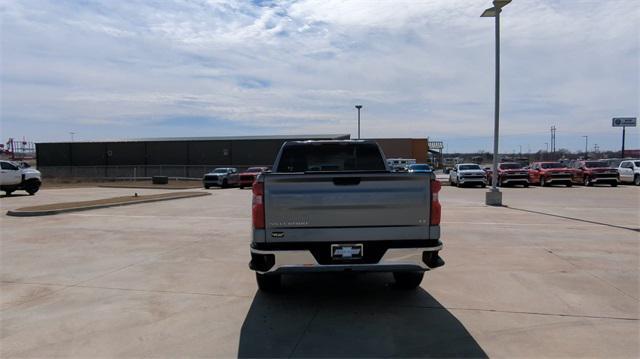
404 148
180 158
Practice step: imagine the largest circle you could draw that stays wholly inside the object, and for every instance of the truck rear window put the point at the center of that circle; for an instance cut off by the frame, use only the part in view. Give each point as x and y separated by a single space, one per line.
331 157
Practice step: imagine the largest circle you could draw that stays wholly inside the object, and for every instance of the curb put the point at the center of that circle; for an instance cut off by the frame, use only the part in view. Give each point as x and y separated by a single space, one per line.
147 187
18 213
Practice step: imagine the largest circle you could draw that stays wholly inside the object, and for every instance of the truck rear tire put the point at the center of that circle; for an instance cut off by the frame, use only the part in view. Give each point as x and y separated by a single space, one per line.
8 192
408 280
268 282
636 180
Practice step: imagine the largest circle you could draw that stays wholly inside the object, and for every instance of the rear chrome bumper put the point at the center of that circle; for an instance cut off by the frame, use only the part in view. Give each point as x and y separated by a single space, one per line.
394 259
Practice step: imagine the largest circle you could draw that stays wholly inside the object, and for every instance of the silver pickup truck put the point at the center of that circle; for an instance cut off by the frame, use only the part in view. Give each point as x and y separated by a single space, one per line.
335 206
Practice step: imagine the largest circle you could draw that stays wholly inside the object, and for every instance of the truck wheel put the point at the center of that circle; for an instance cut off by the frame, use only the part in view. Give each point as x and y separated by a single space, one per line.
8 192
206 186
614 184
408 280
268 282
587 181
241 187
225 183
526 185
636 180
543 183
569 184
32 187
483 185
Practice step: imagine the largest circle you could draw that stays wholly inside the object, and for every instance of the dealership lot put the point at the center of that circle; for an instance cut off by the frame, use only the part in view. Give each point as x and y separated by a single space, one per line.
553 274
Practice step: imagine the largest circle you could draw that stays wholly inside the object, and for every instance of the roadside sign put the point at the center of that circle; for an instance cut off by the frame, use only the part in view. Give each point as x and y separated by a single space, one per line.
623 122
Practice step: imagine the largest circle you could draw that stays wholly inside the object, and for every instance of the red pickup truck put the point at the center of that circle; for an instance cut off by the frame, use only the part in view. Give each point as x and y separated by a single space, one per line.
249 176
550 173
589 173
509 173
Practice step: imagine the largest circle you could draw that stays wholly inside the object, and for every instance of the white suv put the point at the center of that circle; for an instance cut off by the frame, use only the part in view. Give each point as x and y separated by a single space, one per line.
16 177
467 173
630 172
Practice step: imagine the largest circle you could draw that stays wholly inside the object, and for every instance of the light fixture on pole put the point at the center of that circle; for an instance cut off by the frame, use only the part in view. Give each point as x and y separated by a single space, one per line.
494 196
359 107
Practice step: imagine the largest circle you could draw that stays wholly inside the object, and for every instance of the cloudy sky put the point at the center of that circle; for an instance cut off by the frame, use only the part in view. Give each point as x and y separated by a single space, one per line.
118 69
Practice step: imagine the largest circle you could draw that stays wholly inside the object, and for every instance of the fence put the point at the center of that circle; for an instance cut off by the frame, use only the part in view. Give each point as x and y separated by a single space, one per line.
128 172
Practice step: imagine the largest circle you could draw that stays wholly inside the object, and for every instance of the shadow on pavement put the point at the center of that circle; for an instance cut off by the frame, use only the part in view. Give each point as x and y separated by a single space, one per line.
574 219
338 315
15 195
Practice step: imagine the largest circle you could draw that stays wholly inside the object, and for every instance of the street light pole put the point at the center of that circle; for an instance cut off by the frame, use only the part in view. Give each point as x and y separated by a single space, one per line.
358 107
494 196
72 133
586 148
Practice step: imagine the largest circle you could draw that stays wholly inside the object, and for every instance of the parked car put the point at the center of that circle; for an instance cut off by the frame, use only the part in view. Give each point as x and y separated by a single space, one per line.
509 173
336 206
247 177
589 173
467 173
630 171
400 164
222 177
15 177
419 168
550 173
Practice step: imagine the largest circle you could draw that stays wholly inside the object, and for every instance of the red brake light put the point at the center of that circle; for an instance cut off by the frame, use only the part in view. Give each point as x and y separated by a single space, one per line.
436 209
257 207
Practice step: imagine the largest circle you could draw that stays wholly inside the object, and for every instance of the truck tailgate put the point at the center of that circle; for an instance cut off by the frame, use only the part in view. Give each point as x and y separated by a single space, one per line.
347 206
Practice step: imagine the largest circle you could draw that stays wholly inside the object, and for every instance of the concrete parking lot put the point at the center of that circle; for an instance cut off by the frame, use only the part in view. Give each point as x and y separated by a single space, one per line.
554 274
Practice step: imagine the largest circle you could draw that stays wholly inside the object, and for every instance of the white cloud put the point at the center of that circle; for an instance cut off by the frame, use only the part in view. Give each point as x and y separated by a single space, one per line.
420 68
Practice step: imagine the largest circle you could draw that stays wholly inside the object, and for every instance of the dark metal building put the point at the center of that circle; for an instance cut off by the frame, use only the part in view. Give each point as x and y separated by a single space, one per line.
189 157
175 157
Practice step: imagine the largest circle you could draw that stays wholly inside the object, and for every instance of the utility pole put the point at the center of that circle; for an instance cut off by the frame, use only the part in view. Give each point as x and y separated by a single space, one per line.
553 139
359 107
72 133
624 130
586 149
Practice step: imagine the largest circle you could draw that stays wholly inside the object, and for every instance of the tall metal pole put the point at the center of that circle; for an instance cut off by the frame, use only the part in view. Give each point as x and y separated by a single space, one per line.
358 107
623 136
586 149
496 111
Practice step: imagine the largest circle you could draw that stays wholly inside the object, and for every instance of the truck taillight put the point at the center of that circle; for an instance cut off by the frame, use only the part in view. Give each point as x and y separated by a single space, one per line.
257 209
436 209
